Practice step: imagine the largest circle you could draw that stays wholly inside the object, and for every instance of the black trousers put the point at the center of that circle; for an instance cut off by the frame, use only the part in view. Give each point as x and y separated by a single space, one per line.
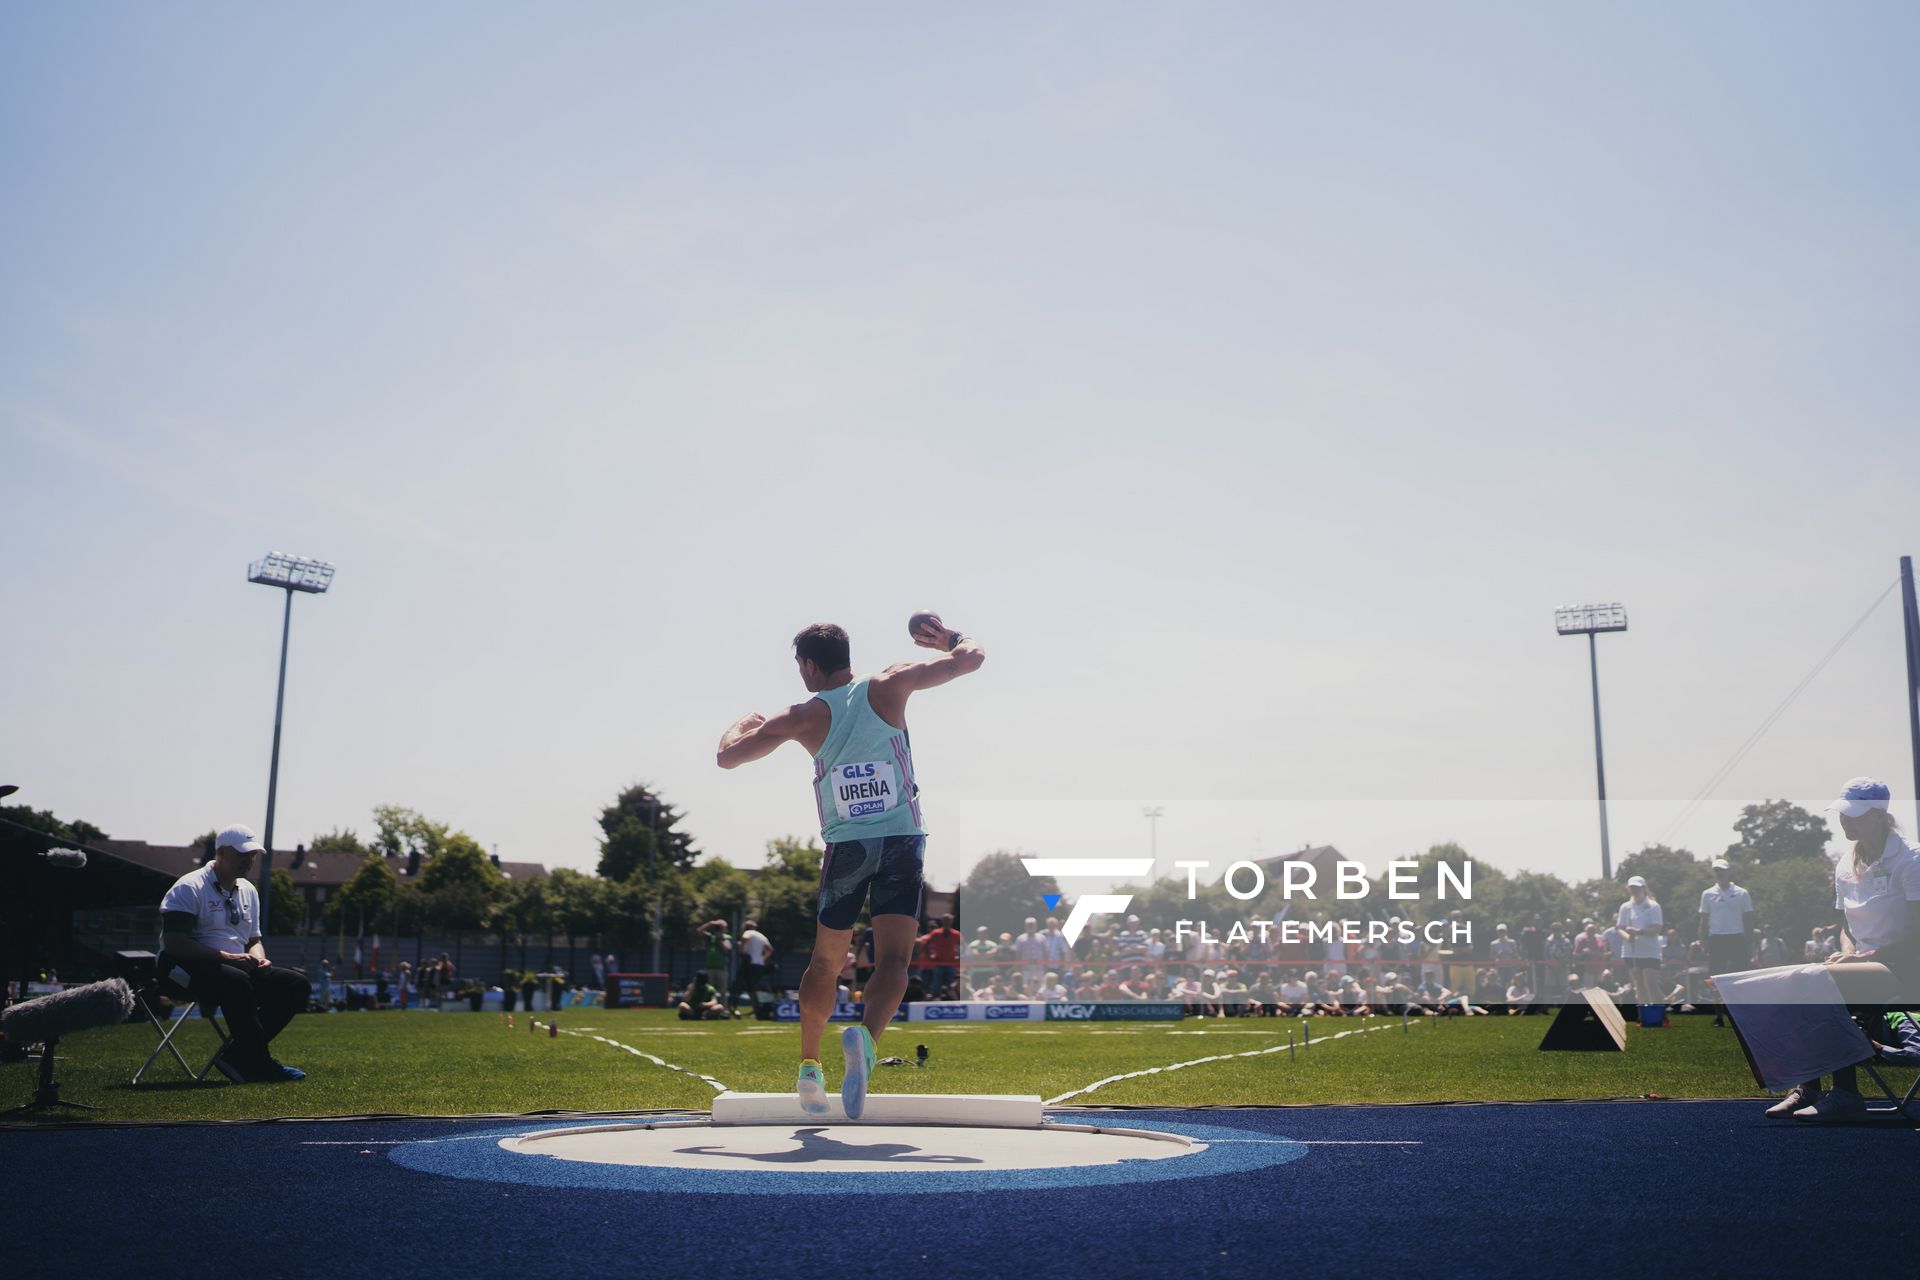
1728 953
751 978
258 1003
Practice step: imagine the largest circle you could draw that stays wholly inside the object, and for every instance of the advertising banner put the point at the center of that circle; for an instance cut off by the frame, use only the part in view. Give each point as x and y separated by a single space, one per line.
1131 1012
789 1011
973 1011
635 990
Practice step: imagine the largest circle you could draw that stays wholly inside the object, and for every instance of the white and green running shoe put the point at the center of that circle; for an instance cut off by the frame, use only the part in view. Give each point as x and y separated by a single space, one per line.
812 1088
857 1043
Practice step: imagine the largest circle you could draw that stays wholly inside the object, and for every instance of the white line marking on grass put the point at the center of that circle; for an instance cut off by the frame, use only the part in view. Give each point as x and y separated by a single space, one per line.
715 1085
1218 1057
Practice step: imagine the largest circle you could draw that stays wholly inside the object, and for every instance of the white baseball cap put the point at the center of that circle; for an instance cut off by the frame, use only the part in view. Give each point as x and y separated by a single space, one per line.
1721 864
1860 795
1636 882
241 838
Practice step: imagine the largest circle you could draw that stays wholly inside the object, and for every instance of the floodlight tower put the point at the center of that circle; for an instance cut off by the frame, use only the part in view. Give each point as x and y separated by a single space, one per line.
1590 620
290 574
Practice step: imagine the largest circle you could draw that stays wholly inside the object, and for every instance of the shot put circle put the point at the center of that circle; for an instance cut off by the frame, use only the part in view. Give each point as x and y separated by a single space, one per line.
829 1159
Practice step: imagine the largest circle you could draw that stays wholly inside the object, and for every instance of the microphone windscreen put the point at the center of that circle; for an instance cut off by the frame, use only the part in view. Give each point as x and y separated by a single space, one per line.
98 1004
69 859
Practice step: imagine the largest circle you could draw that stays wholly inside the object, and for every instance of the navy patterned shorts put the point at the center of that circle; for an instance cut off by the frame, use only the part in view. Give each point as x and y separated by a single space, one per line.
888 865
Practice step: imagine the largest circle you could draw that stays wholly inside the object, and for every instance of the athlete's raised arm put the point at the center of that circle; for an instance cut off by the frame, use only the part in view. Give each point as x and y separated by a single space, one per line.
959 656
754 735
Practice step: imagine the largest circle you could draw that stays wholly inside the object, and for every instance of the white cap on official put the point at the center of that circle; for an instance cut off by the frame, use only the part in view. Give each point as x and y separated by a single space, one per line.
241 838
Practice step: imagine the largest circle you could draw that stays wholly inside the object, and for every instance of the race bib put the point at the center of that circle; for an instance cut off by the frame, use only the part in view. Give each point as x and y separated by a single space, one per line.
863 790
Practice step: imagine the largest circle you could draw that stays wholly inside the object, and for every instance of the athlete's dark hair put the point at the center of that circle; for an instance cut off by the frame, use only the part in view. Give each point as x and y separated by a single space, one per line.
825 644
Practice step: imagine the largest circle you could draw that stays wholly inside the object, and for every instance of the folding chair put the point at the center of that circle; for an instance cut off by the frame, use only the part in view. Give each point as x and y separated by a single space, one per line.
1905 1032
166 986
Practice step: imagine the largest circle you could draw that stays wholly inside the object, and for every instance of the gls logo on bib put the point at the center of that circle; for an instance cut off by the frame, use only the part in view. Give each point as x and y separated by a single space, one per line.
860 790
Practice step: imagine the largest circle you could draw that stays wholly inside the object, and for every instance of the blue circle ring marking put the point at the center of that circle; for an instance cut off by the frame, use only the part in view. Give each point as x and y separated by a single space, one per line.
480 1157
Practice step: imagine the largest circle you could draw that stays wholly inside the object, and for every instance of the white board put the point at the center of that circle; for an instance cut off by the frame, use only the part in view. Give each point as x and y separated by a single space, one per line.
981 1110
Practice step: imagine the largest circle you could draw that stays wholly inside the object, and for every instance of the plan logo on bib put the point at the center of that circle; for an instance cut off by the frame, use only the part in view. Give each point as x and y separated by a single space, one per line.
1089 905
863 789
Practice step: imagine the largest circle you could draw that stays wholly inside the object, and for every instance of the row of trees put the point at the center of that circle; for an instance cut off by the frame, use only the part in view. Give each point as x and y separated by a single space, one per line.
647 866
1778 854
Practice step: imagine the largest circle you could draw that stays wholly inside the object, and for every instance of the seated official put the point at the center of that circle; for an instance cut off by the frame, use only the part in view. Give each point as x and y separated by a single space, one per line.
702 1000
1876 889
210 928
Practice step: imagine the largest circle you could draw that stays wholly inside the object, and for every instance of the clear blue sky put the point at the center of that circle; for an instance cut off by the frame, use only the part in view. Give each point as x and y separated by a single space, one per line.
1254 380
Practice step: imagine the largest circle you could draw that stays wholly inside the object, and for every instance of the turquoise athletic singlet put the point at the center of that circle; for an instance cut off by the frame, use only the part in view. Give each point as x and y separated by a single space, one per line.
863 773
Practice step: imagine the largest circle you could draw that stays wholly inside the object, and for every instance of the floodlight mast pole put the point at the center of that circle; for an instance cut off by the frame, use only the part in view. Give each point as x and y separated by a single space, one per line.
1599 757
290 574
1911 613
1589 620
273 769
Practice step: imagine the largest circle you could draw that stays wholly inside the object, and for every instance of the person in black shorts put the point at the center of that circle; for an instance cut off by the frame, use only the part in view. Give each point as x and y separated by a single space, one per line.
868 798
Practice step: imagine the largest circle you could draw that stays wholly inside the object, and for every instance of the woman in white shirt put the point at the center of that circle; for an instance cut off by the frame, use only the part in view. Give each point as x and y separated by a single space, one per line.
1640 922
1876 887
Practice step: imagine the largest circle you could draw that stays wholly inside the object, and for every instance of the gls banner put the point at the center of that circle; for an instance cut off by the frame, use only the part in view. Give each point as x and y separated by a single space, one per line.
1116 1012
789 1011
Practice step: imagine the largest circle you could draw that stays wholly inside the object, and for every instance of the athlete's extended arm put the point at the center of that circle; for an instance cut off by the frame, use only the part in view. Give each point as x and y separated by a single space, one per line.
754 735
959 656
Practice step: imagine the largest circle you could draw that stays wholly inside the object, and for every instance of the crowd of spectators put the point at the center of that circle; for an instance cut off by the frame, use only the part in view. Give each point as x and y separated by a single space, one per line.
1540 964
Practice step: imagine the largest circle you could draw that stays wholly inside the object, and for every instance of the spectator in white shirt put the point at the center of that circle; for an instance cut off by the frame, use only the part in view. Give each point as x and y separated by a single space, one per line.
1053 943
1640 921
1726 918
756 962
1503 950
1030 949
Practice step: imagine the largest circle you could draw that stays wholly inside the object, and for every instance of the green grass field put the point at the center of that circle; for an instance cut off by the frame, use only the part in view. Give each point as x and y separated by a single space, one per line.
456 1063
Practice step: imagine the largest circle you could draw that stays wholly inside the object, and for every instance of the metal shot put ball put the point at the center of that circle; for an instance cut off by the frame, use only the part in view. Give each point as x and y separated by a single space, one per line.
919 620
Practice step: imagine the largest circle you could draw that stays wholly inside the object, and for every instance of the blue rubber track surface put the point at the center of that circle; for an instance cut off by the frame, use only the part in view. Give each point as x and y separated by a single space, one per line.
1657 1188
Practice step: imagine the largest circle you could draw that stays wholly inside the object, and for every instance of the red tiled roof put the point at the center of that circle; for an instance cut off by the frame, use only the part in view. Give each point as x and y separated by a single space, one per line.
328 870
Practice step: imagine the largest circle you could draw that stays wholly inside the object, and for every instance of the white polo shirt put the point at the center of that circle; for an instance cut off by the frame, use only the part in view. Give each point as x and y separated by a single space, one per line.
755 946
1726 909
1875 898
222 919
1641 915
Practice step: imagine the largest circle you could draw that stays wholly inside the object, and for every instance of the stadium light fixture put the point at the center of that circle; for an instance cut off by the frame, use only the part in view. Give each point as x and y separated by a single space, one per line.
1590 620
295 573
290 574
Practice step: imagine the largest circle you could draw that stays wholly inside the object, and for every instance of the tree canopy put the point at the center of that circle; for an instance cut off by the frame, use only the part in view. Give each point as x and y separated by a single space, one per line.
1774 831
999 894
638 828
